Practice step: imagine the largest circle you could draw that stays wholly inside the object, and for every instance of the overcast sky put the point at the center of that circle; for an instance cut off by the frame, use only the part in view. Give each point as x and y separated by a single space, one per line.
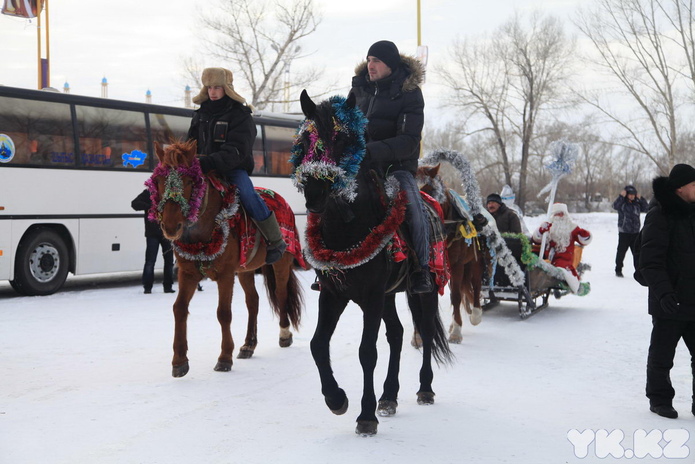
140 45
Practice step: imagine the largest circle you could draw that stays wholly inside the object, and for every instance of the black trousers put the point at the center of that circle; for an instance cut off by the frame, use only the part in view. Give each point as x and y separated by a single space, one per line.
625 241
153 245
666 333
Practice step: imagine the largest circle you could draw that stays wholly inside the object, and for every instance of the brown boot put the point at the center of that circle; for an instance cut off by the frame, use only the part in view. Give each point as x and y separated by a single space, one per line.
271 232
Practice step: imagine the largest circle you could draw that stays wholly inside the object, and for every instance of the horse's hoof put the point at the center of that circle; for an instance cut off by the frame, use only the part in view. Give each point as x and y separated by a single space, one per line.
286 341
179 371
386 408
455 338
476 316
223 366
425 398
245 352
366 428
342 409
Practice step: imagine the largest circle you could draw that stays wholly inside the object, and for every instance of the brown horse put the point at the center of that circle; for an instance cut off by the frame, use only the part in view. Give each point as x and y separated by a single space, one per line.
203 220
466 254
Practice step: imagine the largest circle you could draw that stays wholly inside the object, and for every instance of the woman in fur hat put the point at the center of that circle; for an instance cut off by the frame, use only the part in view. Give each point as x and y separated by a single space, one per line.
225 132
667 264
387 88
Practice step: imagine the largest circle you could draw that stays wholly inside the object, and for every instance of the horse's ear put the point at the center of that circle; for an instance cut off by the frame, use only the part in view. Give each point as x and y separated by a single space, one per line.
159 151
351 100
191 149
435 169
308 106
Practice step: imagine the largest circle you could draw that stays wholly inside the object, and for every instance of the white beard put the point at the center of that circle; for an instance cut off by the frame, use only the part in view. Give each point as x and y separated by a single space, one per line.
561 232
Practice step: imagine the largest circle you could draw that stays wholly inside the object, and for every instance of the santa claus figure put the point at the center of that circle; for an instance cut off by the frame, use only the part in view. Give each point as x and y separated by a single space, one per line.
563 234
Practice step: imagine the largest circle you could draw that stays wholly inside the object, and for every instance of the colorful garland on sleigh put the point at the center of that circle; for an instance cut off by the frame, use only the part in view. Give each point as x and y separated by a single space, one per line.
325 259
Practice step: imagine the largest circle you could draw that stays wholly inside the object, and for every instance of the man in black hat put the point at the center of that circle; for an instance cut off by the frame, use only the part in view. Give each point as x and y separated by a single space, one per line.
506 219
666 260
629 205
387 89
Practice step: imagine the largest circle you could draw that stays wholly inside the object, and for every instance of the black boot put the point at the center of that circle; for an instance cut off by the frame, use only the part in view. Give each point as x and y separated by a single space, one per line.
420 282
271 231
664 410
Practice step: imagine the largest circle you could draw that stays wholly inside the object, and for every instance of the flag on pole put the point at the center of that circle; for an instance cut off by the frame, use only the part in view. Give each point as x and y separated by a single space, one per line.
22 8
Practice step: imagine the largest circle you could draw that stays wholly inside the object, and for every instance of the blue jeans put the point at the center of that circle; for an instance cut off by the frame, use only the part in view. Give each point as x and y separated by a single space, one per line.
415 218
153 244
250 199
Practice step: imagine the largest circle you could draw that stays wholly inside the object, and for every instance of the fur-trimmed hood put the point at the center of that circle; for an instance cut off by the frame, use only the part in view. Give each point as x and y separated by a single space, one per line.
670 202
412 68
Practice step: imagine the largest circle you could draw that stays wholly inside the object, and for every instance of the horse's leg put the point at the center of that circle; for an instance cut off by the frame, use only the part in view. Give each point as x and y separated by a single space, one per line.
455 293
388 403
285 296
372 312
187 287
225 289
423 307
475 281
331 308
248 283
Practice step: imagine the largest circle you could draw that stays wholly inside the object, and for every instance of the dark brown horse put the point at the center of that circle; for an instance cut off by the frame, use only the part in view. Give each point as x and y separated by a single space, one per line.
203 219
466 254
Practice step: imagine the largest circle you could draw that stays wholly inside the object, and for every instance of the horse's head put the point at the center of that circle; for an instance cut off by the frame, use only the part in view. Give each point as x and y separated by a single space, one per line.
431 183
177 187
328 149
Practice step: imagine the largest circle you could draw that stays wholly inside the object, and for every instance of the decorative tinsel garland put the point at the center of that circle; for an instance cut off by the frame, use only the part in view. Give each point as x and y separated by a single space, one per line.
496 245
325 259
173 190
317 161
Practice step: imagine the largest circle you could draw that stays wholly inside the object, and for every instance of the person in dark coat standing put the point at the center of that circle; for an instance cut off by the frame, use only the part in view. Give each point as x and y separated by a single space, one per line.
666 262
225 132
629 205
507 220
387 89
155 239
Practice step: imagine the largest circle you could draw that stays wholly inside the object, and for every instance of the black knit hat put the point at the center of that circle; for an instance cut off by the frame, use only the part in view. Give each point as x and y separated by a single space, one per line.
387 52
680 175
630 190
494 197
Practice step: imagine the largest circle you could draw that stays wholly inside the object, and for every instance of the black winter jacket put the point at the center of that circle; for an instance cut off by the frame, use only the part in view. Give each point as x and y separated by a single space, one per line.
225 132
142 203
667 255
629 213
394 108
507 221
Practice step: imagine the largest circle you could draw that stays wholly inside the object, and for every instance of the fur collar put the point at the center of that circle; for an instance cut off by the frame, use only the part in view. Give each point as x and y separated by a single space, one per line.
414 72
669 201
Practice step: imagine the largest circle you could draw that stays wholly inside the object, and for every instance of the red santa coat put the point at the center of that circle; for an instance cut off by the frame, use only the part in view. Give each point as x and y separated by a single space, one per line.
565 259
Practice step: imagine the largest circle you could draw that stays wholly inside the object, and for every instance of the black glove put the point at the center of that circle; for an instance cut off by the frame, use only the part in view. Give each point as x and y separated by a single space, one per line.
669 303
479 221
207 164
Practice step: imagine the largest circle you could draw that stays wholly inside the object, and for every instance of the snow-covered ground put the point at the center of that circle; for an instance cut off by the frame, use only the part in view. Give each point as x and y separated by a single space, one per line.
86 379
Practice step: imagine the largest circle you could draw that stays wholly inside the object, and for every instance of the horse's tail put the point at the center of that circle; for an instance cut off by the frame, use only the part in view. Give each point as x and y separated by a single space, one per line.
295 297
429 314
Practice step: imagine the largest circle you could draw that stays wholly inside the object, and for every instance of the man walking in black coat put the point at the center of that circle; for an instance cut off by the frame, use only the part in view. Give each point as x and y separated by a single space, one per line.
629 205
666 262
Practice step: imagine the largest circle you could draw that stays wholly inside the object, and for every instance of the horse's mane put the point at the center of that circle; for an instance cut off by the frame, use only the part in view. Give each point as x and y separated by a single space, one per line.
175 153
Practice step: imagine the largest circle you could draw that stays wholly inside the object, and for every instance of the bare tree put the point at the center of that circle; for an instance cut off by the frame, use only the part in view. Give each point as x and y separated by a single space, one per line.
259 41
635 42
502 85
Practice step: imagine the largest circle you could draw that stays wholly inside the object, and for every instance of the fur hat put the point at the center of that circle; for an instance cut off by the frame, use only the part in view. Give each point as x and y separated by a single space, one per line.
680 175
630 190
559 208
387 52
494 197
217 77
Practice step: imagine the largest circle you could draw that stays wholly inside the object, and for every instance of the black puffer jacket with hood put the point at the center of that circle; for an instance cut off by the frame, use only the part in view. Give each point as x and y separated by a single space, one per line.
667 254
395 109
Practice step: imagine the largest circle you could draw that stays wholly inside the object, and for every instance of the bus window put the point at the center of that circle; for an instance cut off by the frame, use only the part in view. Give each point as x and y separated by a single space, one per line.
112 138
278 144
258 155
167 128
41 131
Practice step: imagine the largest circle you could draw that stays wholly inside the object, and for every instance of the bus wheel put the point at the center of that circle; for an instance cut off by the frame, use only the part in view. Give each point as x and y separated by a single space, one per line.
41 265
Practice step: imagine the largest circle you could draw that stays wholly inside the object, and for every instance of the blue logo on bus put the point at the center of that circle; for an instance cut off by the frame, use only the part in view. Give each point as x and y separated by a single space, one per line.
135 158
6 148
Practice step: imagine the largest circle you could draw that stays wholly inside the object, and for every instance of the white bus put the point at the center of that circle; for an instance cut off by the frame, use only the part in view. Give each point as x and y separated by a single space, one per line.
70 166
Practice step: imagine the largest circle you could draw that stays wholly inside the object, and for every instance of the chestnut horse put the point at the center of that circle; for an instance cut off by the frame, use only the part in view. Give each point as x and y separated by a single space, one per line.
351 223
467 253
201 217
